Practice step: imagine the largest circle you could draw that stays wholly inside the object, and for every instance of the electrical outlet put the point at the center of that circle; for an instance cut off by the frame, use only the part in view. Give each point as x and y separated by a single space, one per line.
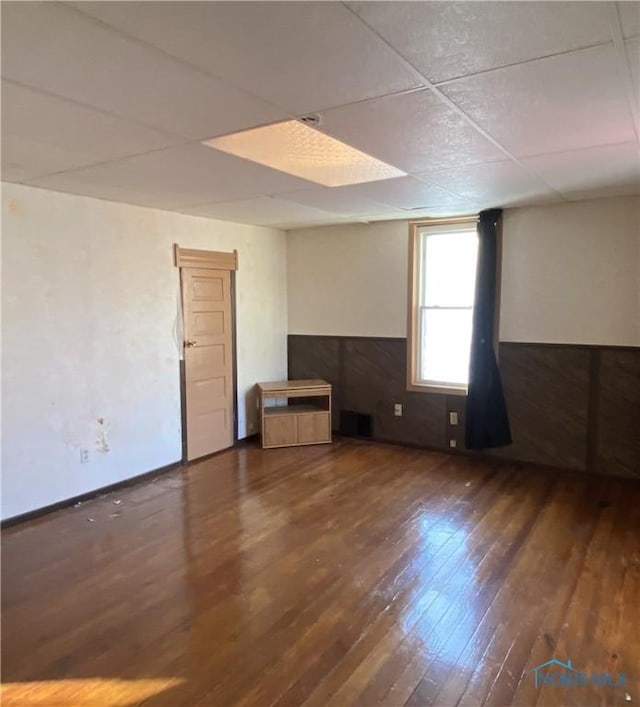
453 418
397 409
452 443
84 456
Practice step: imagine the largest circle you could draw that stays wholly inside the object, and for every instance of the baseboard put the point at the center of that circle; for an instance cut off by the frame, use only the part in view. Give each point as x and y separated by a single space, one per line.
247 440
88 496
578 474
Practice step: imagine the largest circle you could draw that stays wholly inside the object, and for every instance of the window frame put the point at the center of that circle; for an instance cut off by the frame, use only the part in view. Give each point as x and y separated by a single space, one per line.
413 306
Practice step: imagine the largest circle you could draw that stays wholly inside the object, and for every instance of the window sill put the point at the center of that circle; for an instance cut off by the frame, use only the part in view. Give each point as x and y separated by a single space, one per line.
442 389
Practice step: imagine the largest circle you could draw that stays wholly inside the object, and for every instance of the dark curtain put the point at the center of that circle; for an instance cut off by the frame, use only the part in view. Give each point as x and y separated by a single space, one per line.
487 422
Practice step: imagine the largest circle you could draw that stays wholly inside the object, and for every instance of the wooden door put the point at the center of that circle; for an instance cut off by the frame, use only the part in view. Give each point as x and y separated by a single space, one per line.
208 359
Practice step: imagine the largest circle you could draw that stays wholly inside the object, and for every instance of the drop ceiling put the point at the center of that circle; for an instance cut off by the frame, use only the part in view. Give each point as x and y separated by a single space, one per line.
482 104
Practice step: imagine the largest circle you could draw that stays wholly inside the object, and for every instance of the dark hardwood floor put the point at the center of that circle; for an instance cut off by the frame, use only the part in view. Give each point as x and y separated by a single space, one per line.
356 573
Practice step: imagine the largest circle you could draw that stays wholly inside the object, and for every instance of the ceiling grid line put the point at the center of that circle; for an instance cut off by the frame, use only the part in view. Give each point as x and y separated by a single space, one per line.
112 160
621 56
89 106
168 55
474 74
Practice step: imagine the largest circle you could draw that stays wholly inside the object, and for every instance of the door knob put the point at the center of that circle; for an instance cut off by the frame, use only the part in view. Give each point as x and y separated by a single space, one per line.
190 343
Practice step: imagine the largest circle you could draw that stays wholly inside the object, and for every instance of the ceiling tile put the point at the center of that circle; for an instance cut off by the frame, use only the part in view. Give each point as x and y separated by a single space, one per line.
550 105
406 193
53 47
445 40
392 216
633 54
629 13
23 158
173 178
442 211
413 131
304 56
339 200
42 134
632 47
592 169
262 211
494 184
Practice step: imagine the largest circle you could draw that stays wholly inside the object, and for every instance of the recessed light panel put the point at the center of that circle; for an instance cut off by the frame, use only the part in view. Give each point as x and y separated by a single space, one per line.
300 150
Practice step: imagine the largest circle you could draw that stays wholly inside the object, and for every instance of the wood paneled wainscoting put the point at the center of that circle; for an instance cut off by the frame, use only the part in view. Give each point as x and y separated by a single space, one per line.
328 576
573 407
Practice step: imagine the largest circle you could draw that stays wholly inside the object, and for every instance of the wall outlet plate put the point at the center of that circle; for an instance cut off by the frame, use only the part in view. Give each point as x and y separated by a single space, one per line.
397 409
452 443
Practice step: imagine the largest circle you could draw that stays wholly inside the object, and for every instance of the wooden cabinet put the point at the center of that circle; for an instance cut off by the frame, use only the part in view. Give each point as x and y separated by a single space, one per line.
295 412
279 431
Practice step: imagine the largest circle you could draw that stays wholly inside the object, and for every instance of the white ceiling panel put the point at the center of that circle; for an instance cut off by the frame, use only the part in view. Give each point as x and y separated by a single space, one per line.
339 200
495 184
408 193
304 56
590 170
413 131
43 133
632 47
263 211
54 47
24 158
392 216
556 104
174 178
442 211
629 13
445 40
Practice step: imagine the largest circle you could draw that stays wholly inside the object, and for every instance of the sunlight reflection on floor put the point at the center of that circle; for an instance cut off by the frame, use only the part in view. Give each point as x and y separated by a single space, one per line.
440 618
84 692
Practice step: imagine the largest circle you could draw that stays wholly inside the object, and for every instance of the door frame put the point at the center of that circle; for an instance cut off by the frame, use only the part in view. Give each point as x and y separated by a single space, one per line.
213 260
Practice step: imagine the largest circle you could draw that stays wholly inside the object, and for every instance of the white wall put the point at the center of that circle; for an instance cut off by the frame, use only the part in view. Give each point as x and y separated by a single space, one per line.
90 304
348 280
571 274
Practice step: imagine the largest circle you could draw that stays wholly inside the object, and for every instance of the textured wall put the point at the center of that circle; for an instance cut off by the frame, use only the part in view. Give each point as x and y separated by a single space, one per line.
90 331
571 273
349 280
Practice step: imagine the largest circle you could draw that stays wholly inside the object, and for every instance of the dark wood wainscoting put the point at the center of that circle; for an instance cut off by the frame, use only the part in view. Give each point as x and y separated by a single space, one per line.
574 407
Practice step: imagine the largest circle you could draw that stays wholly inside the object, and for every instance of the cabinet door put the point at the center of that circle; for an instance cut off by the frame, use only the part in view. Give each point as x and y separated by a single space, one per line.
314 428
279 431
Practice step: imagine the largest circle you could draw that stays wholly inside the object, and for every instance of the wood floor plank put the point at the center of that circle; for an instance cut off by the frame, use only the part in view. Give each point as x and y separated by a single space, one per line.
351 574
345 684
522 585
440 583
383 567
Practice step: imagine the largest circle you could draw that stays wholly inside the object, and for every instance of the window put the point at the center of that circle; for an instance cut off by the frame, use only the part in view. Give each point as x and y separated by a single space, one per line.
443 259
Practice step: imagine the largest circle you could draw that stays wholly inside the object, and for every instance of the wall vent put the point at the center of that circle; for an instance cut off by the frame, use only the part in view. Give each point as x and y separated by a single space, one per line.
355 424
